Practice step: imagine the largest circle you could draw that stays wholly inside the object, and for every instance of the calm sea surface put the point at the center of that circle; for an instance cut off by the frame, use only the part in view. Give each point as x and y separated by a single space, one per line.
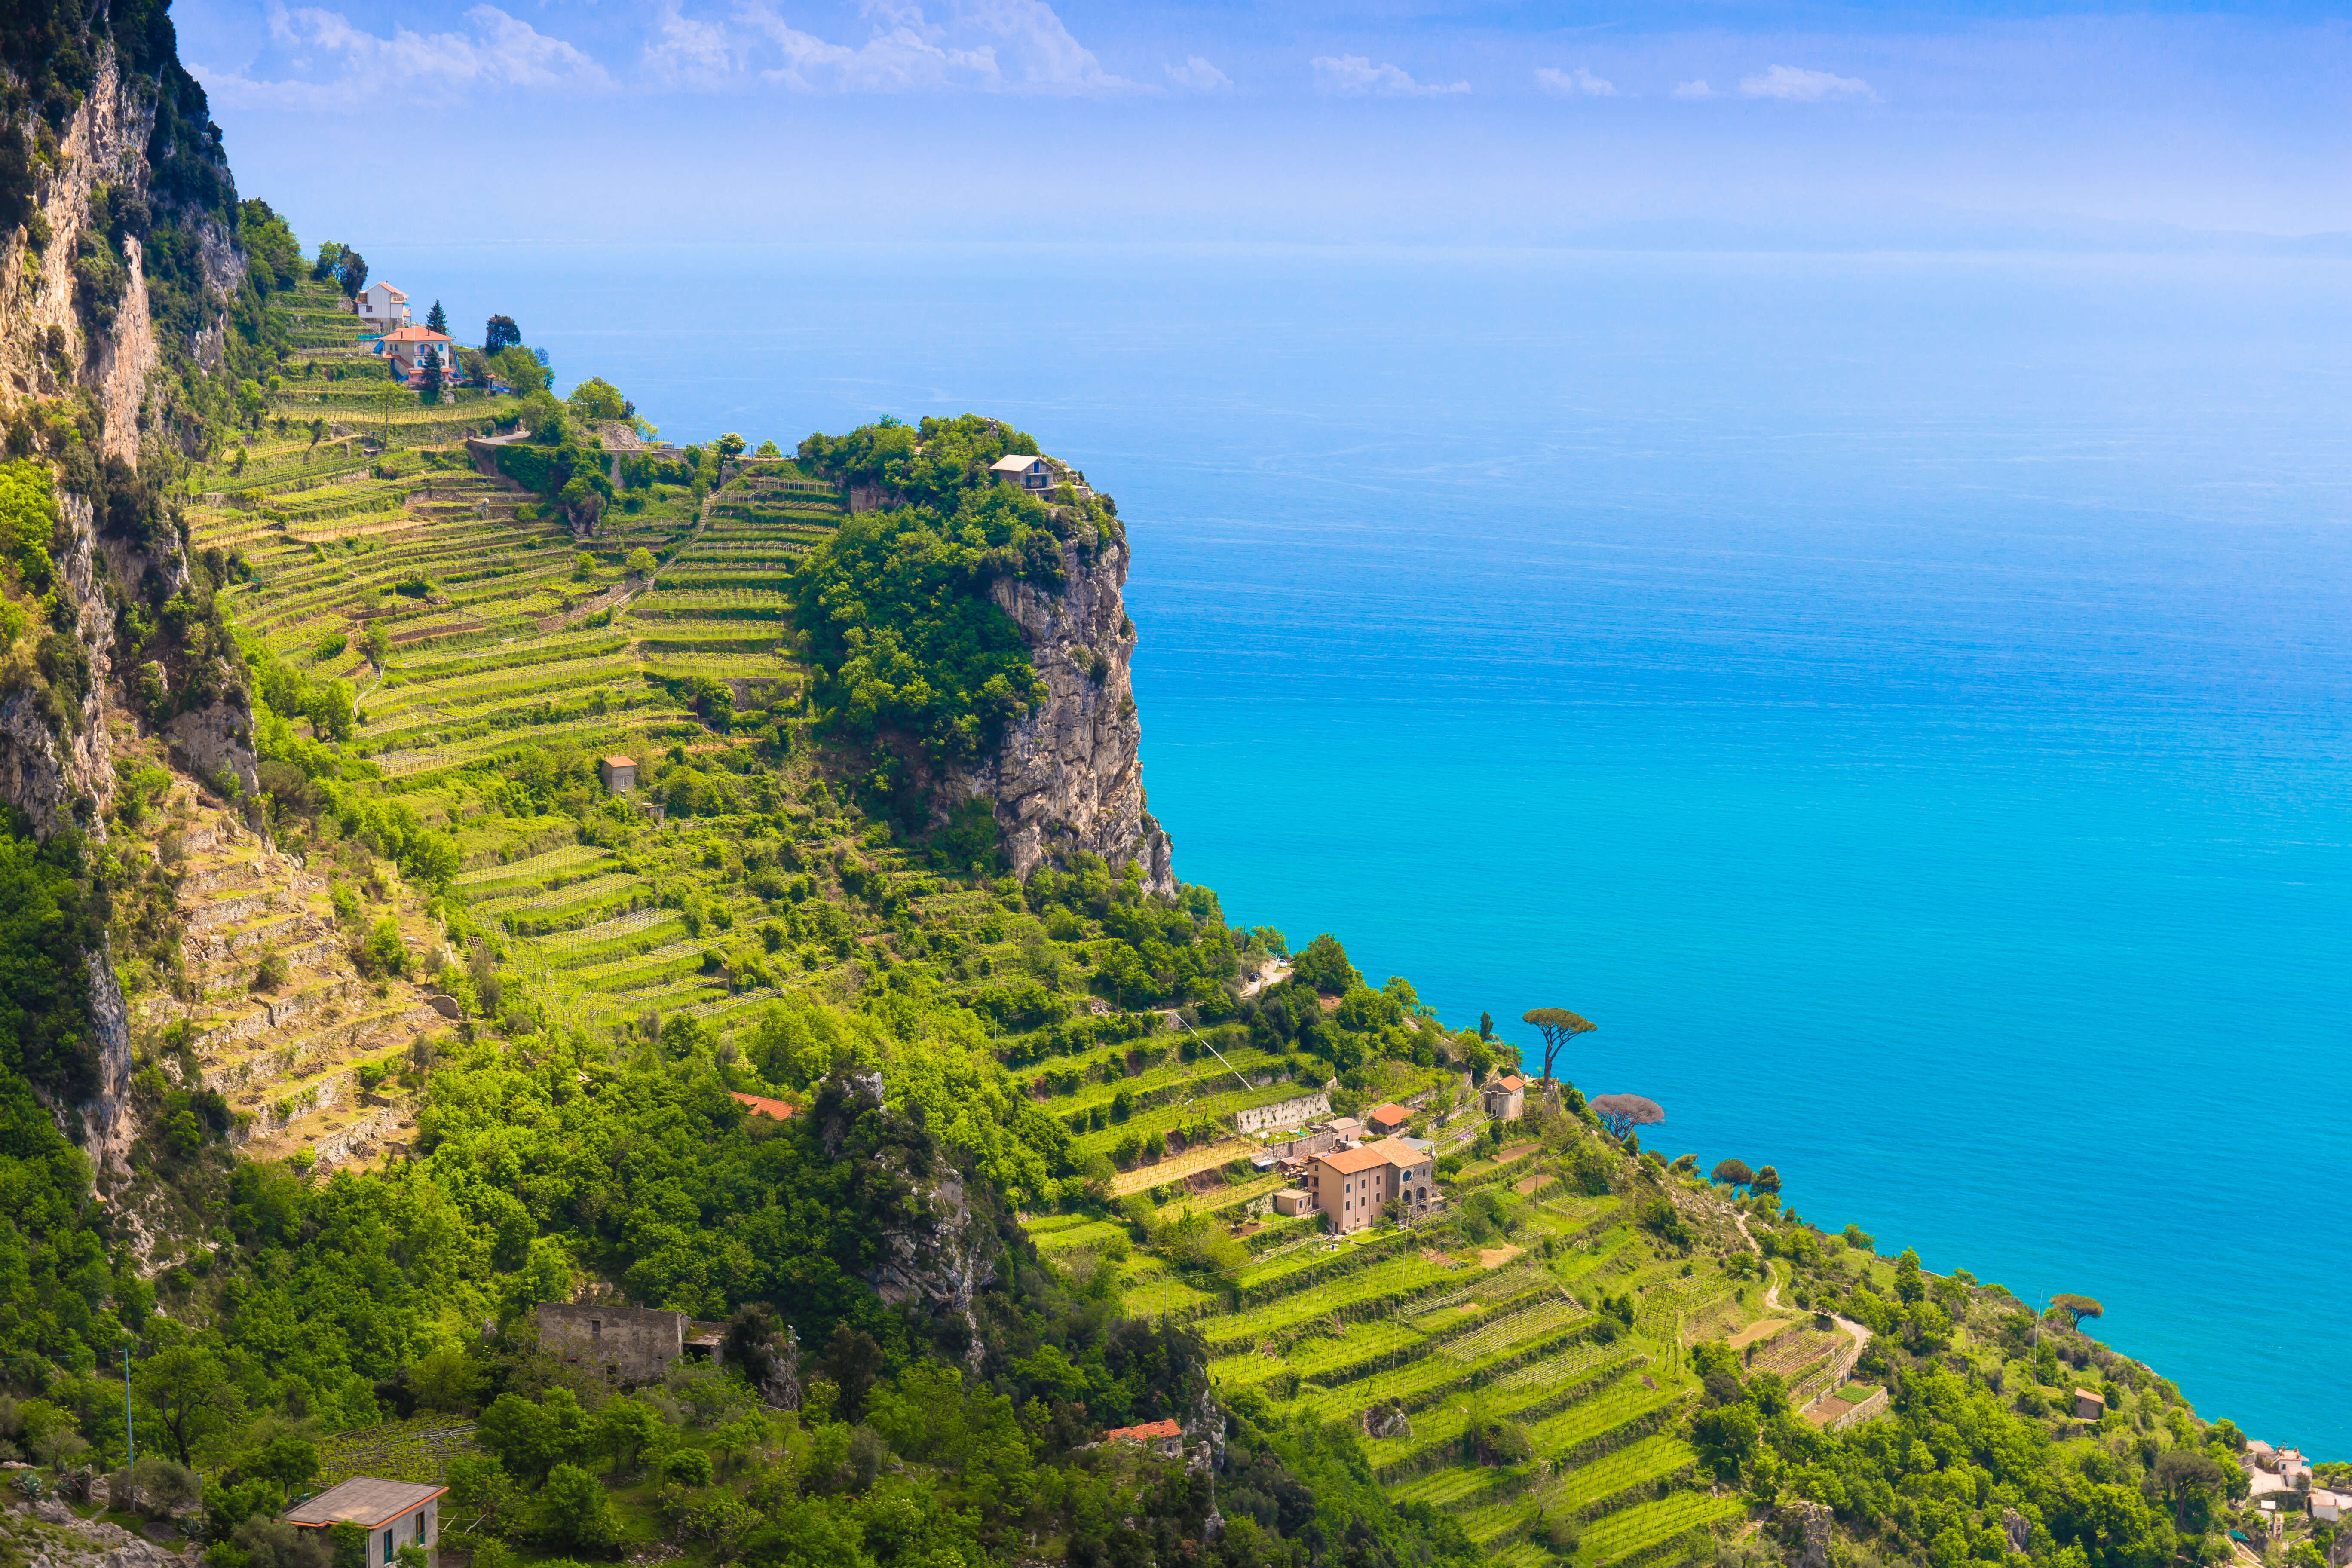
1905 701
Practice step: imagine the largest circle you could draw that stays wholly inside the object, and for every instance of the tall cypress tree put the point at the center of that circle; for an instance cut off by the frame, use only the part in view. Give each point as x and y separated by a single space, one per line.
438 320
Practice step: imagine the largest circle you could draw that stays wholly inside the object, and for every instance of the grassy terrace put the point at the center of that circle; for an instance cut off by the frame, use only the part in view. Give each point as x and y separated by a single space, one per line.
493 654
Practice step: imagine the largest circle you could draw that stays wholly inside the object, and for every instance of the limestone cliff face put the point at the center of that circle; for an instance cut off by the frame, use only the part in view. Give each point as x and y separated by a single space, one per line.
1070 776
66 356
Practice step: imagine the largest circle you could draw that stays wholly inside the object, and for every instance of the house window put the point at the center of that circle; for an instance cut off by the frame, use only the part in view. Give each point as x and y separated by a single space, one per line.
387 1546
420 1527
595 1328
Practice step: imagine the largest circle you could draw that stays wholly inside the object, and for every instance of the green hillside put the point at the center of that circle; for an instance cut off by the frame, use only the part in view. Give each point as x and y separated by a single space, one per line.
1010 1210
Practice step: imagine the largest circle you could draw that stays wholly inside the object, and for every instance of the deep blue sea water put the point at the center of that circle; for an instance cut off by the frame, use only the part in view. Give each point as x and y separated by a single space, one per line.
1906 701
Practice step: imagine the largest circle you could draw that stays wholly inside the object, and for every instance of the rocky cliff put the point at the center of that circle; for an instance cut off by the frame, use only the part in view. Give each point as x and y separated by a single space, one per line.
1070 776
96 106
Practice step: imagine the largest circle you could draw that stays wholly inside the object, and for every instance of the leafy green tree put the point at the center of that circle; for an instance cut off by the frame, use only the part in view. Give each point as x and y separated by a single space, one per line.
597 399
1323 965
574 1511
500 333
287 1462
1908 1285
350 273
188 1396
584 566
529 1440
640 563
1733 1174
624 1428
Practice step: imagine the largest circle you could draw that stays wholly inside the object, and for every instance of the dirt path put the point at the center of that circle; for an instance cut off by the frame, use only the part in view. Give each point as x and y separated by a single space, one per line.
1852 1330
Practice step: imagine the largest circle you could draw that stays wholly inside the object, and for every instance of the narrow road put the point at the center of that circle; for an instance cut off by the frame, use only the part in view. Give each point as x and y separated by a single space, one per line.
1854 1330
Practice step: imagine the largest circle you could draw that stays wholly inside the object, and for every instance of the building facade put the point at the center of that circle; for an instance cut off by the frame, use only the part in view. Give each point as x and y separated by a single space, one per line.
382 307
1506 1097
1028 473
393 1513
1350 1185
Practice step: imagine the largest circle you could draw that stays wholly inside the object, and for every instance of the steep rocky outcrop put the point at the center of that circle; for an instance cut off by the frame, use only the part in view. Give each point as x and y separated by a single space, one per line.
84 384
1070 776
932 1250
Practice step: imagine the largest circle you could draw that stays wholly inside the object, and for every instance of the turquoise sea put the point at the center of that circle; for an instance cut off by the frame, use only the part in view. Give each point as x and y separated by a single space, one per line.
1906 701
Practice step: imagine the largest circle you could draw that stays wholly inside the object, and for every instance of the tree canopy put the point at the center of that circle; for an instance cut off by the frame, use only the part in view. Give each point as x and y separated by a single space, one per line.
1558 1027
1621 1113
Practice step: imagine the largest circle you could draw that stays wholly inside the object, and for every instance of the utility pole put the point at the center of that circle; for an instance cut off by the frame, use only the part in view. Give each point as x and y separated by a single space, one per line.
129 1438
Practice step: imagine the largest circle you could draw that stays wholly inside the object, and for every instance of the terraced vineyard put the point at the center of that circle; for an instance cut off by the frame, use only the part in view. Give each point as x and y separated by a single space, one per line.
470 624
1430 1343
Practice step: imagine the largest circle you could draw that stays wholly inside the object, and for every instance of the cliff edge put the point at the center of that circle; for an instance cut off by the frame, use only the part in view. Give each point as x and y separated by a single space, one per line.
1069 777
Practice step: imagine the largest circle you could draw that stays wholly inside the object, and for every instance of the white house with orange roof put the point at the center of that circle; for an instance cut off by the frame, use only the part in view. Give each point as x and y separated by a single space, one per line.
1350 1186
380 306
408 346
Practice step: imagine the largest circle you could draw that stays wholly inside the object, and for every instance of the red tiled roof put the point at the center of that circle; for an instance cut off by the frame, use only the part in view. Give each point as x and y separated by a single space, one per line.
1387 1152
415 335
760 1105
1510 1082
1143 1434
620 762
1390 1112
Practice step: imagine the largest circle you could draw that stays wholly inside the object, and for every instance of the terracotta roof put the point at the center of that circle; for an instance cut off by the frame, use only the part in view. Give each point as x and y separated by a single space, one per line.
1143 1434
415 335
1510 1081
387 288
1390 1112
1387 1152
760 1105
620 762
2087 1394
362 1500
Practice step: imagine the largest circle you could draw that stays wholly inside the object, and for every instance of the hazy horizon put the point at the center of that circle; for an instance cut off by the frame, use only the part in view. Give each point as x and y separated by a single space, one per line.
1003 120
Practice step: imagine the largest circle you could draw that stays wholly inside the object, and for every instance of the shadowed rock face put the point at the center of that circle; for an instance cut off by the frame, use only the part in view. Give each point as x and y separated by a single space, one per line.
1070 776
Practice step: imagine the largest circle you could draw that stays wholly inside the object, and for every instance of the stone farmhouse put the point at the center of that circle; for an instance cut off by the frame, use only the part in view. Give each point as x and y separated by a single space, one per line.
1506 1097
625 1344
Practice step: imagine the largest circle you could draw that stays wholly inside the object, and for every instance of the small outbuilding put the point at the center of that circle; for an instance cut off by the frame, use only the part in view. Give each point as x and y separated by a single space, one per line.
1506 1097
2089 1407
1292 1201
393 1513
619 774
761 1105
1028 473
1386 1119
2327 1507
1160 1437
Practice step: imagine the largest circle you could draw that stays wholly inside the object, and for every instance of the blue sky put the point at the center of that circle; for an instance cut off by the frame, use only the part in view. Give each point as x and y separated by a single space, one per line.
721 122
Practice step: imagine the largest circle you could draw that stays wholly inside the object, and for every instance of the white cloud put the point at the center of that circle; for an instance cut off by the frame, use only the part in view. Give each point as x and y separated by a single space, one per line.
987 46
1577 83
1797 85
1197 75
1694 90
689 52
343 67
1354 76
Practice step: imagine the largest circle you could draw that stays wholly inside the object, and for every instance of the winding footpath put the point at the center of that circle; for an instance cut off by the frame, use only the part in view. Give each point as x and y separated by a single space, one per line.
1855 1331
